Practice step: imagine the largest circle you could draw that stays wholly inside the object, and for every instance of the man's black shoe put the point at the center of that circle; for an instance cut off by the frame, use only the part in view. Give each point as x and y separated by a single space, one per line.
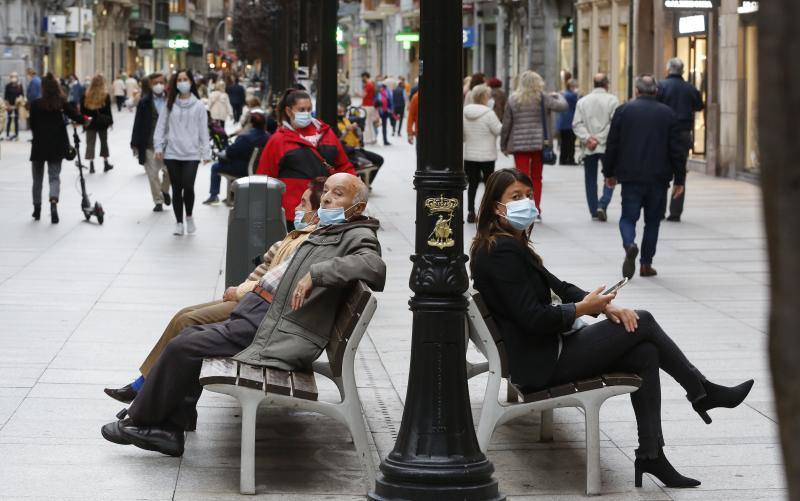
674 219
158 208
153 438
167 198
112 433
126 394
601 215
629 265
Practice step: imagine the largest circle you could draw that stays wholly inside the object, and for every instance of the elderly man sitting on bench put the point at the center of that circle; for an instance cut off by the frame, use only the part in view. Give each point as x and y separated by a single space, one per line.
271 326
220 310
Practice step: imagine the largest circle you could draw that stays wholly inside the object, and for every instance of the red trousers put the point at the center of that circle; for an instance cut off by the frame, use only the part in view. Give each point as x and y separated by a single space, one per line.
530 162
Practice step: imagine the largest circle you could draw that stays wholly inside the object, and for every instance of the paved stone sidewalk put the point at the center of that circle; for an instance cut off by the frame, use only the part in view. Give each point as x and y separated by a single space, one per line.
81 305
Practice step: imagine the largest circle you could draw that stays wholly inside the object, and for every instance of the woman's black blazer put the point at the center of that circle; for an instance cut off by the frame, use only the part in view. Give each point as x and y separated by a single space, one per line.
50 140
516 288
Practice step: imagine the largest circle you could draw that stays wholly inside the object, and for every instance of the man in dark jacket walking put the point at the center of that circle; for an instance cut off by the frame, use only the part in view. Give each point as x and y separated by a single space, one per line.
684 100
152 103
236 96
236 157
644 153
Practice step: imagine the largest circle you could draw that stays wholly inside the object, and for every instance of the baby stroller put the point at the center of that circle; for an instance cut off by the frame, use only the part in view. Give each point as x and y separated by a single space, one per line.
218 136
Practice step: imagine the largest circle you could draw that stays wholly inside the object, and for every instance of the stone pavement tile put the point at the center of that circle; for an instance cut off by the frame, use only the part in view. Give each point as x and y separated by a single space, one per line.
735 477
21 352
150 481
724 455
105 354
70 391
219 496
19 377
60 418
562 471
310 483
695 432
89 376
760 494
8 405
766 408
119 293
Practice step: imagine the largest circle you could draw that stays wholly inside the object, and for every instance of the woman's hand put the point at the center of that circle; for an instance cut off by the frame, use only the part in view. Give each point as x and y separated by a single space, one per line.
594 303
625 316
302 291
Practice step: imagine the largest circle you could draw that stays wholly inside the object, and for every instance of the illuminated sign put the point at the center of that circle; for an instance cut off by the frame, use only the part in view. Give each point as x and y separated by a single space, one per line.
178 43
468 37
690 25
691 4
747 7
407 37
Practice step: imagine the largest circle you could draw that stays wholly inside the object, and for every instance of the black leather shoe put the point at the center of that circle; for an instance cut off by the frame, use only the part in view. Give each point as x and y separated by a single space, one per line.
126 394
153 438
662 470
112 433
629 265
674 219
721 396
158 208
167 198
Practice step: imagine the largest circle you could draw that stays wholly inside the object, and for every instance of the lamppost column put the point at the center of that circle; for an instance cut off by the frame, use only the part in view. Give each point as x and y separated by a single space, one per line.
326 93
436 456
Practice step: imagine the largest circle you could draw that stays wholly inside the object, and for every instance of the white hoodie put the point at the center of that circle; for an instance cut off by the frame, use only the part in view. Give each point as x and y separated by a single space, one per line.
481 128
182 133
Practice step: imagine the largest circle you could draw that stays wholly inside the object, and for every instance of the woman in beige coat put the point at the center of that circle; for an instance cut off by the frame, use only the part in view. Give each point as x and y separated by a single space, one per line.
219 105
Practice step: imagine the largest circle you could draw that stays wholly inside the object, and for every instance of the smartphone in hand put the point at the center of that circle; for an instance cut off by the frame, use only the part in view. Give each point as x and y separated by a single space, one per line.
617 286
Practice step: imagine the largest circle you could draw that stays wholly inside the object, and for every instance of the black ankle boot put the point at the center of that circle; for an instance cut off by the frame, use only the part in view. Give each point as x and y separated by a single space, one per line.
37 211
721 396
107 166
660 468
91 166
53 212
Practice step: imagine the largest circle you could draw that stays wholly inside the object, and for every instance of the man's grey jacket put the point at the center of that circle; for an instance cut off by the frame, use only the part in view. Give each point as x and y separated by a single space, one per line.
336 256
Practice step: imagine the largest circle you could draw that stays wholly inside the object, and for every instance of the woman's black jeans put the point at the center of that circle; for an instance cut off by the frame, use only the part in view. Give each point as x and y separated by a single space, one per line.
182 174
606 347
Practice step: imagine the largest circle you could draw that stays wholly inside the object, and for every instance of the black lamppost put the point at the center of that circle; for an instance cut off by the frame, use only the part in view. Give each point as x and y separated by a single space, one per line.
326 87
436 456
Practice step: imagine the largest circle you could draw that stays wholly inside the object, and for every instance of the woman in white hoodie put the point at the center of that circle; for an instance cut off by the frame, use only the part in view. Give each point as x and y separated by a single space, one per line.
181 140
481 129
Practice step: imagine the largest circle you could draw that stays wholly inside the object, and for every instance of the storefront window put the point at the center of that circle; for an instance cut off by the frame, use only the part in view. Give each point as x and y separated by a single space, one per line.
748 78
621 71
693 51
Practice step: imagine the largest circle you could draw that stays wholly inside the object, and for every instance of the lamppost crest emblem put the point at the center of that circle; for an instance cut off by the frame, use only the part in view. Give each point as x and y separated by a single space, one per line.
442 235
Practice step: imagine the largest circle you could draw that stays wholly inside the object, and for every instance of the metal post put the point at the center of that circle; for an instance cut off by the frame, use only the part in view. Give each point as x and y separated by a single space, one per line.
326 87
436 456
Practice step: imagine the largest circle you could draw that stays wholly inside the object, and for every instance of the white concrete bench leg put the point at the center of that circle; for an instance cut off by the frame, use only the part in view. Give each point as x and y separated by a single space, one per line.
247 470
358 430
591 409
546 429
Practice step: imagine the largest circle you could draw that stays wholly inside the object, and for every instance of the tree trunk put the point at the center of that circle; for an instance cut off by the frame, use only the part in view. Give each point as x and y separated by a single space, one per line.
780 153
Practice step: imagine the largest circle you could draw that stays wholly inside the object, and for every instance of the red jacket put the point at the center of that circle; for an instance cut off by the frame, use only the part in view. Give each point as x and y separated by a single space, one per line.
290 158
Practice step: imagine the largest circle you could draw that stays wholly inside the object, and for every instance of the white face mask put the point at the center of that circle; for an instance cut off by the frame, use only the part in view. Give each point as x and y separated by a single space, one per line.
302 118
184 86
158 89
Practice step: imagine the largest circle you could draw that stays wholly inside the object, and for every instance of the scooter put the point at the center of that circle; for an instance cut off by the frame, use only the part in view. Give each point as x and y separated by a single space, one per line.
88 209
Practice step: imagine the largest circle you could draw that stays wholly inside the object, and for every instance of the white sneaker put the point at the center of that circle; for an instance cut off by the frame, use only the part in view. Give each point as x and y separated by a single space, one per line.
190 227
178 229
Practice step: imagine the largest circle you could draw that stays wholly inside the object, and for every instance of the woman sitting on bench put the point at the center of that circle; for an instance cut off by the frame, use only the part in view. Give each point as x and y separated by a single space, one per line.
545 349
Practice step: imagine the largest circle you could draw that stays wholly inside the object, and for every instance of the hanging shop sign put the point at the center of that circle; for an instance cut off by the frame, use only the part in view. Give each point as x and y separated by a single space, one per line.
691 4
747 7
178 43
695 24
468 37
406 38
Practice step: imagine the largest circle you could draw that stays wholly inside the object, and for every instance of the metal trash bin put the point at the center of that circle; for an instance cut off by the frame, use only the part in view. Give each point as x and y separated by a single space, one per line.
256 221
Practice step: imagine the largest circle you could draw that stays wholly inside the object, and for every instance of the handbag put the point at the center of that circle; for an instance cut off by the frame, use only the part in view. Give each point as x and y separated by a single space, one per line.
548 155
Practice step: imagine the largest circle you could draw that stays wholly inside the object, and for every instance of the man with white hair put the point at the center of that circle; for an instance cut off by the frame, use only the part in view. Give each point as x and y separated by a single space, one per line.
285 322
684 100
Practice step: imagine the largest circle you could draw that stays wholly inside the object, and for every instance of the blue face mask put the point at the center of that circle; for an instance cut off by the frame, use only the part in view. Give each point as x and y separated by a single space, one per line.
298 220
302 118
521 213
331 216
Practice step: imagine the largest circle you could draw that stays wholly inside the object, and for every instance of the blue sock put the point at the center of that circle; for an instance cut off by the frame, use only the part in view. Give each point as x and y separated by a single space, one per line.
137 385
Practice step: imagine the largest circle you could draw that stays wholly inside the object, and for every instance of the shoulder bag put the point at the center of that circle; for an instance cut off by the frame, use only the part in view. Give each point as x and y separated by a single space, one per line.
548 155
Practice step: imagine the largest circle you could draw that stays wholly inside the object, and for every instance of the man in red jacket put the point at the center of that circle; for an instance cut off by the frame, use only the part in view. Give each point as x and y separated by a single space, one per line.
302 149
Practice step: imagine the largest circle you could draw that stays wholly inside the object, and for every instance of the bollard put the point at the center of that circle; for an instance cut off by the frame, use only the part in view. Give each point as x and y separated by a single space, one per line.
256 221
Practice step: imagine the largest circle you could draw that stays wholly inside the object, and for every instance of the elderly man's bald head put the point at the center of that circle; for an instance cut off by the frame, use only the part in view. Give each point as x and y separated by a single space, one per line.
345 191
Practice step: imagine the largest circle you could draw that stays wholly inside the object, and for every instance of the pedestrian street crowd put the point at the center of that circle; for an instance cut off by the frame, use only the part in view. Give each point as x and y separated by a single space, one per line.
280 316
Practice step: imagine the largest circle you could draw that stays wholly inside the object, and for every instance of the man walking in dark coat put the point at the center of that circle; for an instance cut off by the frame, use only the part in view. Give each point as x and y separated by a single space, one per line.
644 153
684 100
236 96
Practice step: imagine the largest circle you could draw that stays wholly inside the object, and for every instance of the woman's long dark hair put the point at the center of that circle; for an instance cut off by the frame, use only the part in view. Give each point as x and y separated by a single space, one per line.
489 224
172 93
289 99
52 96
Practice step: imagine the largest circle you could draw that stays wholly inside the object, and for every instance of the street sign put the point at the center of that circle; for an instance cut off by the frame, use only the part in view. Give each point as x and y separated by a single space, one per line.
691 4
468 37
178 43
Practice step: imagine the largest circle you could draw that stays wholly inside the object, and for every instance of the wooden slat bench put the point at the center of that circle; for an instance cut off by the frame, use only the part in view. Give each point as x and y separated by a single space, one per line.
254 386
588 394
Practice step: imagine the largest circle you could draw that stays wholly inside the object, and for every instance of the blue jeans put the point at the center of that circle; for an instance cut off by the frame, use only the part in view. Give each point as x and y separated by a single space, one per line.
653 199
224 168
590 165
